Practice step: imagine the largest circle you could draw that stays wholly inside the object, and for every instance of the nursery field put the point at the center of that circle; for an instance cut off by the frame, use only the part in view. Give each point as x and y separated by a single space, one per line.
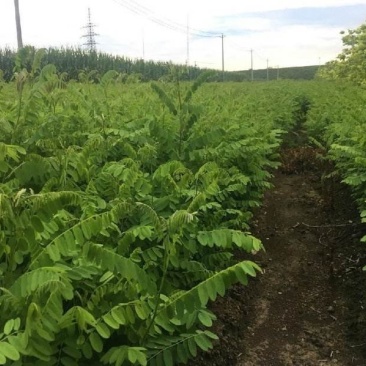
127 210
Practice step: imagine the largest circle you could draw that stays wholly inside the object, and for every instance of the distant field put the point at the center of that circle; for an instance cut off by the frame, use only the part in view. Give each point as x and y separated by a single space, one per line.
286 73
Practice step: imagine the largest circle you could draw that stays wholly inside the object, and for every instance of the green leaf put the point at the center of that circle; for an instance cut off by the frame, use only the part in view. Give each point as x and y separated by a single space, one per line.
205 319
87 351
211 288
72 352
211 335
103 330
257 244
67 361
241 275
109 320
54 253
9 326
44 334
141 358
196 297
220 238
20 341
203 294
120 357
202 342
9 351
107 276
119 265
220 285
141 313
96 342
83 317
131 355
17 323
249 268
85 227
182 352
192 347
130 315
37 223
168 357
78 234
118 315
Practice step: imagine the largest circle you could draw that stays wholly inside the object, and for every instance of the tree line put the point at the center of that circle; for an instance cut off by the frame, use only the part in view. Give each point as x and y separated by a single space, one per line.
350 63
76 62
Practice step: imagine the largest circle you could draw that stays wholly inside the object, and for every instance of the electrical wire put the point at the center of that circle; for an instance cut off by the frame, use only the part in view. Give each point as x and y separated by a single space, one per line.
141 10
206 33
261 56
166 21
232 44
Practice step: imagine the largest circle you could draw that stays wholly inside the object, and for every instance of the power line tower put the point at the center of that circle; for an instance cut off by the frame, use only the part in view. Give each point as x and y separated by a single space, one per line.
90 35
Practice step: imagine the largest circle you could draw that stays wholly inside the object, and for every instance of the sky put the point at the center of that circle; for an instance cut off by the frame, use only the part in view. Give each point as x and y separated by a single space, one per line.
280 33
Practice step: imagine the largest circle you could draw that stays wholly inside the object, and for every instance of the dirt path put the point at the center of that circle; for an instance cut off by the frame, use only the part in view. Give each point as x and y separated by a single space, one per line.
308 307
299 310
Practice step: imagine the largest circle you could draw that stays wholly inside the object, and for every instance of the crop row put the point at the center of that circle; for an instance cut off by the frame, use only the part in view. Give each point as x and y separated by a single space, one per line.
336 121
120 208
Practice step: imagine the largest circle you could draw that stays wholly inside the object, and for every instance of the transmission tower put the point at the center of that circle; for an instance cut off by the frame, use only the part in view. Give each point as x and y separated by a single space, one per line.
90 35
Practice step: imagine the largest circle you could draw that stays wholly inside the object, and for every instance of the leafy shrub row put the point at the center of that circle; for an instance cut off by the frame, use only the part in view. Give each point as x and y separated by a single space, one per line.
120 208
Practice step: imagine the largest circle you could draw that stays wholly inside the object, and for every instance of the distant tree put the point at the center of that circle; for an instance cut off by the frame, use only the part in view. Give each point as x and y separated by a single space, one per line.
18 25
351 63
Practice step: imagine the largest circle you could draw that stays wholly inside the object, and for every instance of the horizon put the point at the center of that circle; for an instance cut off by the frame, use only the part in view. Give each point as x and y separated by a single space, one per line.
14 50
282 33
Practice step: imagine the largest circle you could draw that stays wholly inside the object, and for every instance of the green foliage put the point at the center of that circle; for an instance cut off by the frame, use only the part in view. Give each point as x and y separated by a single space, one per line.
81 65
185 114
337 124
350 63
120 210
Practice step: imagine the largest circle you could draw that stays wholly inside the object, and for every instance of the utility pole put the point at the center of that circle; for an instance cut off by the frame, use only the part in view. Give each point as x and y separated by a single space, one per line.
143 44
187 61
251 65
90 34
223 59
278 72
18 25
267 70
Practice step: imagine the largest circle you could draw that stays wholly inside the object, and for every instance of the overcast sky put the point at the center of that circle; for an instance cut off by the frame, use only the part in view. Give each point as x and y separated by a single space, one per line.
286 32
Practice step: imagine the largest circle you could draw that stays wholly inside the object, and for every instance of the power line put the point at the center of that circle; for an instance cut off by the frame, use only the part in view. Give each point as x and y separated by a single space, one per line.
147 10
260 56
192 34
138 9
236 46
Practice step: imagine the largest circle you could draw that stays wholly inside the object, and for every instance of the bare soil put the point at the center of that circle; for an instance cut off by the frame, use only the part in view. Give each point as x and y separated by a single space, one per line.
308 306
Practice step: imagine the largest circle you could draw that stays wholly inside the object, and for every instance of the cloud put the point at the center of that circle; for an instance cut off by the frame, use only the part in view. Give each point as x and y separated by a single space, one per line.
331 16
287 32
234 7
243 24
